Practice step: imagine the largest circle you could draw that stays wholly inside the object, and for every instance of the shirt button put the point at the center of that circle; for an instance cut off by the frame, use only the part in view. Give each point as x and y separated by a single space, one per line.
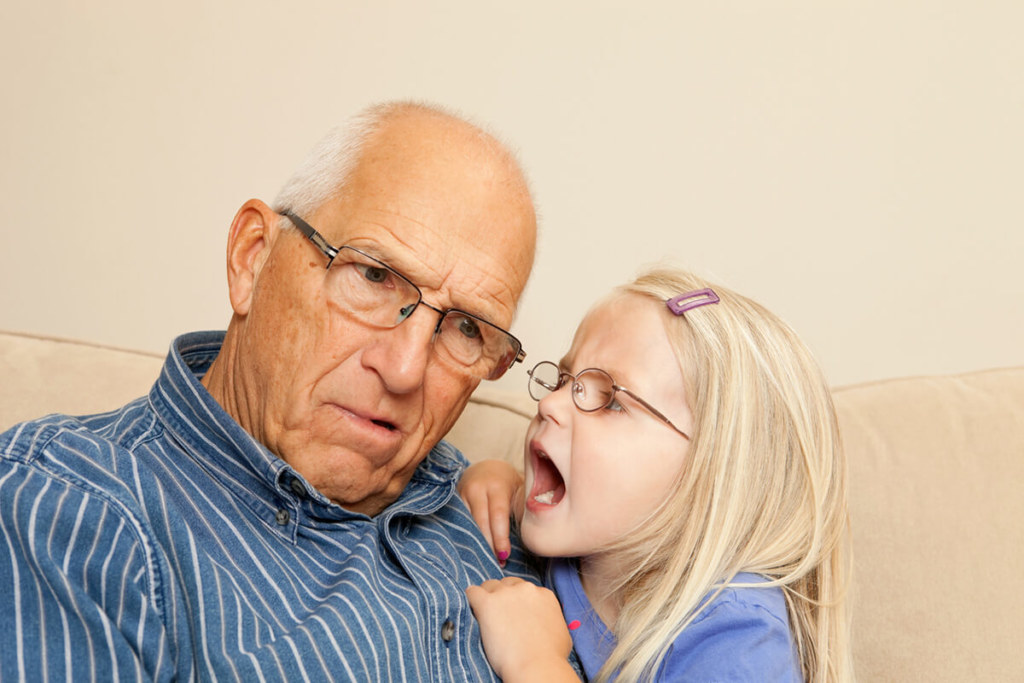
282 517
447 631
297 488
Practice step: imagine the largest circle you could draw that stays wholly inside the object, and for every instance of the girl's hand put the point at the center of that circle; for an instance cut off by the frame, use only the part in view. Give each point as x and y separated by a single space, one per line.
491 489
523 630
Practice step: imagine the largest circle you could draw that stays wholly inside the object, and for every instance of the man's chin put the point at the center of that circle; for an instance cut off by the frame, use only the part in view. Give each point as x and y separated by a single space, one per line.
358 483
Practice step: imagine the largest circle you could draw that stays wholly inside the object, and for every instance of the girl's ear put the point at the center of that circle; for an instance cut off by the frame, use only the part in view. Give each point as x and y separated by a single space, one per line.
252 234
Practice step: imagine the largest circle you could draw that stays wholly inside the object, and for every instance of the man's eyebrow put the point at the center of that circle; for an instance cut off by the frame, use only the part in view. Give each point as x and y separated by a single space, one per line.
372 250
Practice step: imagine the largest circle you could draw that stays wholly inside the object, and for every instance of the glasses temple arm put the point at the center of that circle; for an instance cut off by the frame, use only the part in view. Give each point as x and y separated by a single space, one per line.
310 232
654 411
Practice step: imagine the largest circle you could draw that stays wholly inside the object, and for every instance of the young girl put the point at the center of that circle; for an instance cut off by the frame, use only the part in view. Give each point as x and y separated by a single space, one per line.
685 456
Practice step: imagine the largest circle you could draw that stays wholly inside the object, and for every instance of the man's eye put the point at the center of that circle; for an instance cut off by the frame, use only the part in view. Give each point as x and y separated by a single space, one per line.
469 328
375 275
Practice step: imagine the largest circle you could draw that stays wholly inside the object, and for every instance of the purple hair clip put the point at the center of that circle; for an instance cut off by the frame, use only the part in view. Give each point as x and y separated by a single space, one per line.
699 297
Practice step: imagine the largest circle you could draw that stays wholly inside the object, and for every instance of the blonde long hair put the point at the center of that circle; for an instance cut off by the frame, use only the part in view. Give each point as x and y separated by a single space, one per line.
763 489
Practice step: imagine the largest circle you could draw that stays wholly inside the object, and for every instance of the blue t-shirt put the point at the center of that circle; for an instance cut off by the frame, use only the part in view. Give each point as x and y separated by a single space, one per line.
742 635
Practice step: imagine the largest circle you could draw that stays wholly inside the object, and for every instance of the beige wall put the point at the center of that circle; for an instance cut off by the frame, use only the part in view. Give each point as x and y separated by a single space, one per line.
857 166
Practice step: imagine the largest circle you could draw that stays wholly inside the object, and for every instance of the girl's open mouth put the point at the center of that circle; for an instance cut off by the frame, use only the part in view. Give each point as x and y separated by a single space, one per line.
548 486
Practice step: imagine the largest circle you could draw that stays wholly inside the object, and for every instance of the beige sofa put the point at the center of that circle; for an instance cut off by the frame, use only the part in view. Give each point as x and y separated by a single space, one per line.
937 496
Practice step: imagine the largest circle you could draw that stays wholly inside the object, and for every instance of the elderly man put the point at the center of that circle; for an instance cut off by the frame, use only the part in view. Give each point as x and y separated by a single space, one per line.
280 506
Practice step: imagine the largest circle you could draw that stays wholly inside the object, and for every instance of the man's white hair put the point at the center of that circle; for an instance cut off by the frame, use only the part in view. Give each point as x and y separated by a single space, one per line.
329 165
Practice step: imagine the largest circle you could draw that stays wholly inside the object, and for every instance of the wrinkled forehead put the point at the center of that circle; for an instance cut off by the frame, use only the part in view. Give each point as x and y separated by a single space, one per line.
457 226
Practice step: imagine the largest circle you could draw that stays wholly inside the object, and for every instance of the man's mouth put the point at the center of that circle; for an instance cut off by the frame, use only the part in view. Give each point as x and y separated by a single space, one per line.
368 419
548 486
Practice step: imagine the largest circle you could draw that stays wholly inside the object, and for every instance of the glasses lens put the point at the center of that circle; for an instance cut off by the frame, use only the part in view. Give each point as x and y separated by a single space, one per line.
375 294
369 290
543 379
482 348
592 390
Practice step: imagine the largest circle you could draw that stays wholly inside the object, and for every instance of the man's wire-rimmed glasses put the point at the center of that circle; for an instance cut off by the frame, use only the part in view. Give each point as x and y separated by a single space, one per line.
376 294
592 389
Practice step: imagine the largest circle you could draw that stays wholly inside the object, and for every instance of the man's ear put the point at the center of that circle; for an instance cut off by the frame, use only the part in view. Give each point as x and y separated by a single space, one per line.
252 234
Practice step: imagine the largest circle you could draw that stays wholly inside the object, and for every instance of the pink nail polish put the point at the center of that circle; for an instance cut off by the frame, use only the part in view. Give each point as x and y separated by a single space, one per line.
503 555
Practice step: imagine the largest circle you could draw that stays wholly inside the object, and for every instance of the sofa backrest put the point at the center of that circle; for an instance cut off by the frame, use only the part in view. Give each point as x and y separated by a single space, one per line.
41 375
936 486
937 510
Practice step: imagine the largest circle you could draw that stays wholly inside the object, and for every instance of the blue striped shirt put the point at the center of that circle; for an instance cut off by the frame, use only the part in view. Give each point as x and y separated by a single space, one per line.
161 541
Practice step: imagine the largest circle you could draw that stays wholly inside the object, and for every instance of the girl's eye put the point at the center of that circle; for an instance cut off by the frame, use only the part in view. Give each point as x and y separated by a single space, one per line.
615 406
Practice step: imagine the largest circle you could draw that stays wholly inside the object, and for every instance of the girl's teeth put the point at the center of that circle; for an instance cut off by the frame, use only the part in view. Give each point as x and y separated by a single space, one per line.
545 497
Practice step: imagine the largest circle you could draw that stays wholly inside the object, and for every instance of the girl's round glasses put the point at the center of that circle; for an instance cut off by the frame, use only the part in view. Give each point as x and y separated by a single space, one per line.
592 389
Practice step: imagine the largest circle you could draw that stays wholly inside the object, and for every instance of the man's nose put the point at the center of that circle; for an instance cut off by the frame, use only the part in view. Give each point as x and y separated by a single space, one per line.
400 355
